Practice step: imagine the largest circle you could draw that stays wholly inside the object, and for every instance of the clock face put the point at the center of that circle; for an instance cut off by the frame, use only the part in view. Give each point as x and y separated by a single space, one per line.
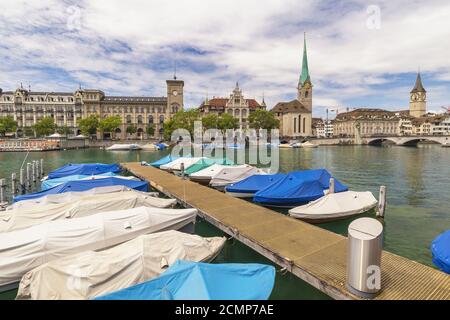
175 92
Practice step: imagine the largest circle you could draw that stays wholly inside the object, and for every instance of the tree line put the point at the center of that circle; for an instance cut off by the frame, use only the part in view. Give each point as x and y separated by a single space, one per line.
260 119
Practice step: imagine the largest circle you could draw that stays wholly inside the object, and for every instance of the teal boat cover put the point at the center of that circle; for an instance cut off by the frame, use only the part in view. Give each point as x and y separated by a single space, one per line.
83 168
254 183
202 281
50 183
83 185
440 249
297 188
207 162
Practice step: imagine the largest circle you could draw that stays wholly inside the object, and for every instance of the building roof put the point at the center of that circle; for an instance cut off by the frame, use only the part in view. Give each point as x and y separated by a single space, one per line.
133 99
294 106
366 114
418 87
220 103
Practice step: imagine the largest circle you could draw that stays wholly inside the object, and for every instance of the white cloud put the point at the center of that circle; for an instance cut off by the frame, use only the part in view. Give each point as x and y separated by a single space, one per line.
128 47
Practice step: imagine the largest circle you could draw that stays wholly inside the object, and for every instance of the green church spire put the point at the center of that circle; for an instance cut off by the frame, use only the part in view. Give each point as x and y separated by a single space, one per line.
305 70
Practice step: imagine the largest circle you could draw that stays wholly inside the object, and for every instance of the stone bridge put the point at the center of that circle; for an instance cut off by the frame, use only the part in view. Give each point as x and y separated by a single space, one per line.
407 140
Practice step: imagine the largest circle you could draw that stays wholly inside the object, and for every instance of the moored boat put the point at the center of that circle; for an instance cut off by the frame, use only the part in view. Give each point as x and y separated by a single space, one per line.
335 206
247 187
23 250
297 188
83 185
123 147
83 168
232 174
17 219
201 281
175 165
440 249
50 183
127 264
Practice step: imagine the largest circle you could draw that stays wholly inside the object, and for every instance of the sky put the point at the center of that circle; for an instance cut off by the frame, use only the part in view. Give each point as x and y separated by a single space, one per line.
360 53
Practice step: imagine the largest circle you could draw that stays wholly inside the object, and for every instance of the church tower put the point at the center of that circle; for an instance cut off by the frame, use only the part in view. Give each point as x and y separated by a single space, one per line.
418 99
304 84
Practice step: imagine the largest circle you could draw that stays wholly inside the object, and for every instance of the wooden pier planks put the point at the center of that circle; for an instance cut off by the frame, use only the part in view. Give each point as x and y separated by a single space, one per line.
315 255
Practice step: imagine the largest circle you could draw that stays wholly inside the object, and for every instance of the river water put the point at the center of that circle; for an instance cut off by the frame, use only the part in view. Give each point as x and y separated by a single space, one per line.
418 195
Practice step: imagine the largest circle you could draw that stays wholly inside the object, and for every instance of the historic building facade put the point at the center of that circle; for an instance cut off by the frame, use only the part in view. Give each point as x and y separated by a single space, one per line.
236 105
296 116
67 108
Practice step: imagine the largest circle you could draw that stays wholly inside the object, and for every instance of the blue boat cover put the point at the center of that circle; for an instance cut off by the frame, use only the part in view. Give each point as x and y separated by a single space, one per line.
50 183
297 188
83 168
440 248
254 183
83 185
203 281
161 146
165 160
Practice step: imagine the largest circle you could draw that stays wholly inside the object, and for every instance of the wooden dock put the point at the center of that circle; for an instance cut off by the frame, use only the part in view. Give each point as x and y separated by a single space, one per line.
315 255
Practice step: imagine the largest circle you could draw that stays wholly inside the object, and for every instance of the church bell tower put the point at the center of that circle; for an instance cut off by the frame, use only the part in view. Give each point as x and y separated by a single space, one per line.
305 86
418 99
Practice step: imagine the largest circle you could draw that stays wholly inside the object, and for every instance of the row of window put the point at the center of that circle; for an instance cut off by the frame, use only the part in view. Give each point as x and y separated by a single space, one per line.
299 127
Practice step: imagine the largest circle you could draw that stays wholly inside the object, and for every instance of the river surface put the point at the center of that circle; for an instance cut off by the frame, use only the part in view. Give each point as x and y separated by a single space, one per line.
418 195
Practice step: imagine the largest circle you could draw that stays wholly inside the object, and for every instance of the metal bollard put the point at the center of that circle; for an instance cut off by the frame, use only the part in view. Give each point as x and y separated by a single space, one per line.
13 183
37 169
365 244
2 190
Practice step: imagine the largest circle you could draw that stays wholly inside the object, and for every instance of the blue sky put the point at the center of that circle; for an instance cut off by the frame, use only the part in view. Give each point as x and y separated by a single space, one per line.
361 54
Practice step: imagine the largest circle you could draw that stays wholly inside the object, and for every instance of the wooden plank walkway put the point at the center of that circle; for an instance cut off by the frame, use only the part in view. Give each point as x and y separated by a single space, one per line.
315 255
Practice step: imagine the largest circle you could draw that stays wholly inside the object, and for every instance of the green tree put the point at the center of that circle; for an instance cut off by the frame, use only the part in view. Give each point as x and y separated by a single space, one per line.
263 119
89 125
227 121
44 127
181 120
150 129
211 121
7 124
64 130
110 124
131 129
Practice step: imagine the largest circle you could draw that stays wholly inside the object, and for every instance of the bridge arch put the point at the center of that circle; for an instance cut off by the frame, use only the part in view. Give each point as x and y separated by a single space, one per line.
378 141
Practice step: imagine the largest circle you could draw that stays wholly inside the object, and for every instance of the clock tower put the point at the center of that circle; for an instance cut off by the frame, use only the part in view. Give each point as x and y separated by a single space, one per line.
418 99
174 96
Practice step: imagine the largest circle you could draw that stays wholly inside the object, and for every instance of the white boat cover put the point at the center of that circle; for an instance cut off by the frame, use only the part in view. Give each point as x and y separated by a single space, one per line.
336 205
308 144
67 197
124 147
176 164
233 174
23 250
17 219
209 172
89 274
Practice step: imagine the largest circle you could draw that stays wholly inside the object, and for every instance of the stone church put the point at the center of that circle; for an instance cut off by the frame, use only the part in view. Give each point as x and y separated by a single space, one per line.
296 115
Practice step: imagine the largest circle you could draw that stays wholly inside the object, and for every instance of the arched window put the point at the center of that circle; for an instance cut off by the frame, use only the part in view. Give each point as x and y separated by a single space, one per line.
161 119
304 125
295 125
128 119
299 123
175 108
150 119
244 113
306 93
139 119
237 113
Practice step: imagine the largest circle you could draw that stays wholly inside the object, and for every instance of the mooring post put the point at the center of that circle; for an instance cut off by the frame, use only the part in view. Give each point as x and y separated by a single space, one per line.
37 169
2 190
13 183
381 202
33 171
42 167
331 189
29 175
22 181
